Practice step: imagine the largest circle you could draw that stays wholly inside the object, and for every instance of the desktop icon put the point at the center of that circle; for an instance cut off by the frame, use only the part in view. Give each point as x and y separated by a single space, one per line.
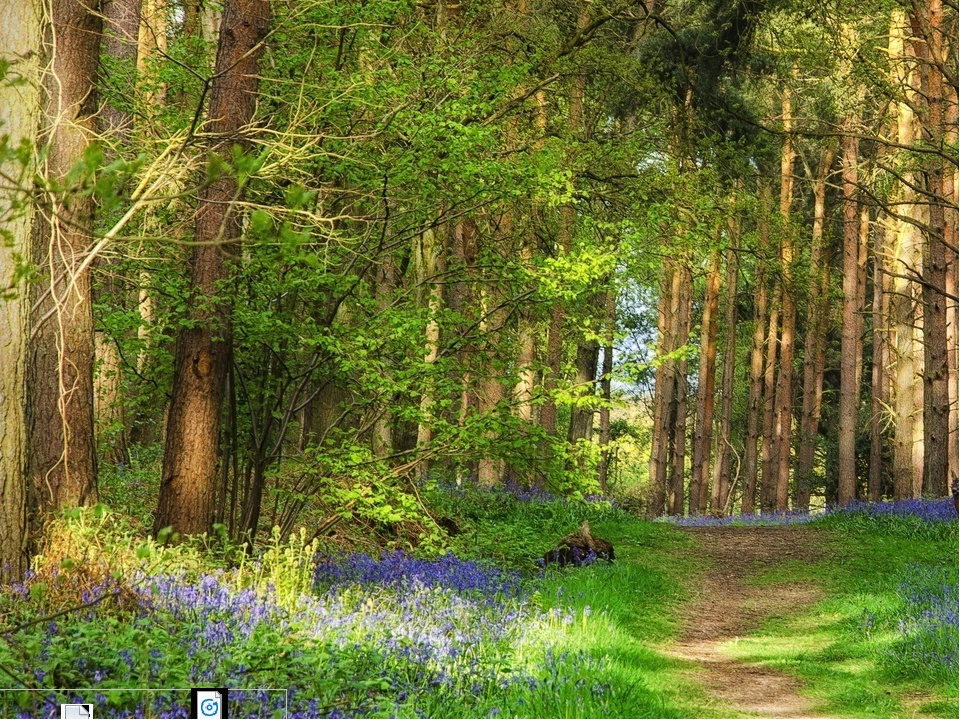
76 712
208 703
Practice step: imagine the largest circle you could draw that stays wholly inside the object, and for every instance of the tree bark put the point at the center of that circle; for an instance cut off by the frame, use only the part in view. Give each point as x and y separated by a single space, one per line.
63 464
706 382
784 398
663 388
721 476
755 399
191 450
610 319
431 263
814 347
907 350
850 341
768 449
880 397
927 22
21 40
679 406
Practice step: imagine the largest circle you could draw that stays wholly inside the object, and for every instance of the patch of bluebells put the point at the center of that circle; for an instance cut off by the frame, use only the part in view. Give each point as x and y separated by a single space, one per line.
940 510
937 510
388 636
791 517
400 570
928 630
521 493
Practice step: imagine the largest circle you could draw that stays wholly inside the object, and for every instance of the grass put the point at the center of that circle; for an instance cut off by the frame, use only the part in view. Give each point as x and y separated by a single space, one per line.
482 632
875 646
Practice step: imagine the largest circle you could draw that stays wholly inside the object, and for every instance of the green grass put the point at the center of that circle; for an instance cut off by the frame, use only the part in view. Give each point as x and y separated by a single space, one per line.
847 648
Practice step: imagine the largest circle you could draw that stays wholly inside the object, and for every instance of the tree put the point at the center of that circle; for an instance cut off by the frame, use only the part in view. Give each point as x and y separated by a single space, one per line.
21 36
62 454
191 448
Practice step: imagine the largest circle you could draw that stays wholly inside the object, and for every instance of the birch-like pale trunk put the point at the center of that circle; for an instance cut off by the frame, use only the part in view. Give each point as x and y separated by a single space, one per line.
21 41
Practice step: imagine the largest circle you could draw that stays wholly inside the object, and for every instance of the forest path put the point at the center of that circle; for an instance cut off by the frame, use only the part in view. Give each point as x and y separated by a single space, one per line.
726 606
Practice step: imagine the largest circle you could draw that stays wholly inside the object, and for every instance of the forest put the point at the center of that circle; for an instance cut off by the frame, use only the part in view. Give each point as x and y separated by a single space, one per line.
323 322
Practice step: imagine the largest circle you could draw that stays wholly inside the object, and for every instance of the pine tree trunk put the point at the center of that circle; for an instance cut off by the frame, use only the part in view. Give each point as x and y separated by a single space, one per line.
784 398
814 347
21 38
904 307
191 449
880 398
927 22
850 338
663 389
679 425
63 464
721 477
768 449
755 399
703 433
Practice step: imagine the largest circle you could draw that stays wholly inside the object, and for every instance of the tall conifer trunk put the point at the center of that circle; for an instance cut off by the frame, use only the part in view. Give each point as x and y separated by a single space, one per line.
62 455
755 392
706 382
850 345
191 449
814 347
784 397
721 476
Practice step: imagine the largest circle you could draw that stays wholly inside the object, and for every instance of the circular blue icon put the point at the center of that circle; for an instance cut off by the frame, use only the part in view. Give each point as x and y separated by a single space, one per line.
209 707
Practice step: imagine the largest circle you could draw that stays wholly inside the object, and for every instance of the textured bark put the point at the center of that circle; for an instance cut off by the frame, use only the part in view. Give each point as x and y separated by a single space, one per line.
663 388
928 31
678 450
905 314
814 347
850 342
63 466
382 434
430 263
585 382
755 397
721 475
784 399
191 450
768 449
706 383
880 396
20 40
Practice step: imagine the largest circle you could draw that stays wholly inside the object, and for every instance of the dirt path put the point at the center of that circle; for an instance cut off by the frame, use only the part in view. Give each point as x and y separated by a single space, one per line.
726 607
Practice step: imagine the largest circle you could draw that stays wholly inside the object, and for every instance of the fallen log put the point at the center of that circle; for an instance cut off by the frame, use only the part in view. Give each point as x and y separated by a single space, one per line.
579 548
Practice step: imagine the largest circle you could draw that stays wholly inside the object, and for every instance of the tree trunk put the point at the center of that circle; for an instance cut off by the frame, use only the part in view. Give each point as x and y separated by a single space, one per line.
706 382
190 456
663 388
585 381
907 351
755 400
880 398
814 347
768 449
927 22
610 320
63 464
721 476
784 399
21 35
431 262
850 341
679 426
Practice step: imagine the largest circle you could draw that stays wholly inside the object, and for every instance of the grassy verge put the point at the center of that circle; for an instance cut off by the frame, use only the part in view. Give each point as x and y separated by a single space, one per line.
883 641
